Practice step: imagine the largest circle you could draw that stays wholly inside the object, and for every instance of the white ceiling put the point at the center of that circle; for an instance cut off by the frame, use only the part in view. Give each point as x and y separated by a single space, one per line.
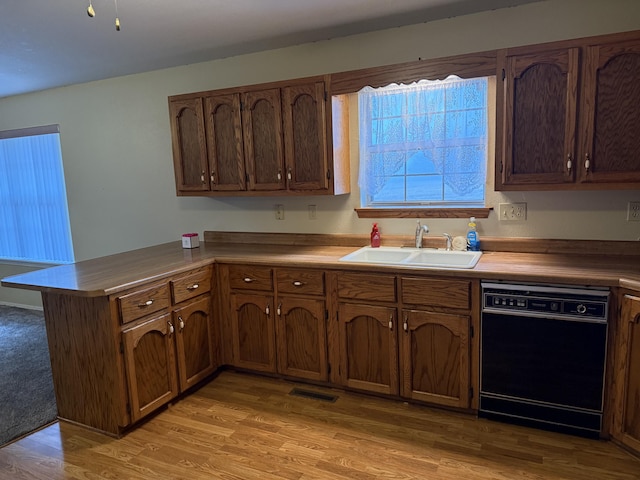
51 43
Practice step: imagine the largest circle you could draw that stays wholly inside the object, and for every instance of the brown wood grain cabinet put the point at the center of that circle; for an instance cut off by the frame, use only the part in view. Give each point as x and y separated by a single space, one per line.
257 140
407 336
116 358
435 341
569 116
279 328
626 427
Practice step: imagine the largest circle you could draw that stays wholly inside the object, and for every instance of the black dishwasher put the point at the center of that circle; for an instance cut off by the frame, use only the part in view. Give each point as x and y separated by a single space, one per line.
543 352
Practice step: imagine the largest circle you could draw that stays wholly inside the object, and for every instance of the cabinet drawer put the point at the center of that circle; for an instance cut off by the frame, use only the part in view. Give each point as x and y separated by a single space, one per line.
137 304
367 287
250 277
310 282
191 285
437 292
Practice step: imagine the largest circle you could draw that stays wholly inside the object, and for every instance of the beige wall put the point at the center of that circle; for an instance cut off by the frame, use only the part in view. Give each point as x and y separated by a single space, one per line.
117 149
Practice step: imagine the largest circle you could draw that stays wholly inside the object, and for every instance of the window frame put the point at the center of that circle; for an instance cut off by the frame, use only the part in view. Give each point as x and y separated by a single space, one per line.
40 131
481 64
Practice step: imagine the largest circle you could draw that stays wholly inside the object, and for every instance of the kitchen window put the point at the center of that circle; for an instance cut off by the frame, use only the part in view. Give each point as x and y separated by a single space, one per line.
424 145
34 217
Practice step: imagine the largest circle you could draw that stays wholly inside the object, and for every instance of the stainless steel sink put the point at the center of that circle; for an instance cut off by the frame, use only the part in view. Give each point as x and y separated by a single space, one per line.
422 257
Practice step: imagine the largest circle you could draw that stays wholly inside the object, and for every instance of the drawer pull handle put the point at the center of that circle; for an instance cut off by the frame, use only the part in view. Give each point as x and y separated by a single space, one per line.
248 279
171 329
297 283
193 287
148 303
181 324
267 310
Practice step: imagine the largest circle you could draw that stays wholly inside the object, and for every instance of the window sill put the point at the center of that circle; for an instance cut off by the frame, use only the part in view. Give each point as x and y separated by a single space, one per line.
423 212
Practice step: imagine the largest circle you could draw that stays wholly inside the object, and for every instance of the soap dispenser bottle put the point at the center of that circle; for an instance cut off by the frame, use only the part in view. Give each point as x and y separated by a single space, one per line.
473 242
375 236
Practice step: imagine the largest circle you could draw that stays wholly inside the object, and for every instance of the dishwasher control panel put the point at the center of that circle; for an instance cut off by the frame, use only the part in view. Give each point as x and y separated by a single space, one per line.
546 300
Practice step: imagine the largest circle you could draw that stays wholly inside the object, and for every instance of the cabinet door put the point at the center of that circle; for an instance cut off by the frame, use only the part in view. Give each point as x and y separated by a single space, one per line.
253 332
224 141
305 137
539 108
629 350
368 338
302 338
189 145
611 95
435 358
194 342
262 129
150 365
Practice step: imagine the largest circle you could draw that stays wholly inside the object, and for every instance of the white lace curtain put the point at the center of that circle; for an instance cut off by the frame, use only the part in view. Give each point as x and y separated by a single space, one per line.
424 142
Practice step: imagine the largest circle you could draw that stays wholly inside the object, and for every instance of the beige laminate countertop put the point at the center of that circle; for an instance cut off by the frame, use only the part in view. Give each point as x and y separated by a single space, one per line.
116 273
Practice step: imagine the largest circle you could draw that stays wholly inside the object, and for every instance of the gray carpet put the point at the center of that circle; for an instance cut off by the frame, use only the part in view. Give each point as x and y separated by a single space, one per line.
26 388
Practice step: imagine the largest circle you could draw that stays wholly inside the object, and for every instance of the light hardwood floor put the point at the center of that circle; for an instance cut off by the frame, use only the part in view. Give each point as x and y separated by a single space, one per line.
247 427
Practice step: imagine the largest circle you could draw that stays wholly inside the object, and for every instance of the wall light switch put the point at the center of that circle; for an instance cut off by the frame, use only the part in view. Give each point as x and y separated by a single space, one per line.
313 212
513 212
633 212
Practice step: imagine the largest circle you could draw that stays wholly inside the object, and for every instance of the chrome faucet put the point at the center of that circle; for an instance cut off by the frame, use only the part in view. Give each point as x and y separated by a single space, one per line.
420 229
449 241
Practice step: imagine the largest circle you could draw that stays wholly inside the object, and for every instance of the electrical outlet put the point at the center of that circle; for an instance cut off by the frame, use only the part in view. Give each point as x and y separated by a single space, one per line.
633 212
512 212
279 212
313 212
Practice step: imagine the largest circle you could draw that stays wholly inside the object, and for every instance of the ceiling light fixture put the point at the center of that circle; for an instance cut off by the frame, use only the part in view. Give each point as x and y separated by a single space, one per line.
92 13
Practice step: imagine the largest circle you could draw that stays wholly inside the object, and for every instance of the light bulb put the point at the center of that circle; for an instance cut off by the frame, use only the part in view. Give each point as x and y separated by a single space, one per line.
117 24
90 11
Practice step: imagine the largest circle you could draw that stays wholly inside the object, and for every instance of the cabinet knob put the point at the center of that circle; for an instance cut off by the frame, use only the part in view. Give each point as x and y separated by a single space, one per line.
279 310
569 163
202 177
171 329
213 178
297 283
289 174
390 322
267 310
279 175
148 303
248 279
180 324
405 325
587 162
193 287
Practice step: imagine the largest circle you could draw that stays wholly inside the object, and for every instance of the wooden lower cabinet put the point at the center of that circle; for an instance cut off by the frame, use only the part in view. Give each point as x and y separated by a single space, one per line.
435 358
168 354
150 365
253 331
302 338
627 420
369 349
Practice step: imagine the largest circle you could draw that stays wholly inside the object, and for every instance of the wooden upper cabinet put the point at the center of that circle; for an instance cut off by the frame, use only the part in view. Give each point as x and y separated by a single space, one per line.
269 139
262 128
568 116
611 118
304 118
225 147
189 144
539 131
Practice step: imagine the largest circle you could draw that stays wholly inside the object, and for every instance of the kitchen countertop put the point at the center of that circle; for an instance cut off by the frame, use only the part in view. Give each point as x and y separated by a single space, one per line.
116 273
